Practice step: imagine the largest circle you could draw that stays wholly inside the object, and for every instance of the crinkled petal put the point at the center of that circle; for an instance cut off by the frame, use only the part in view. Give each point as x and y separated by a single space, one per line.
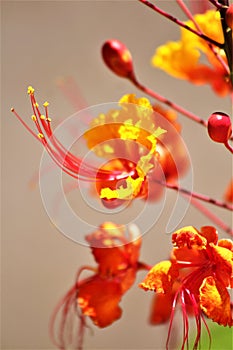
189 237
223 259
215 301
112 249
210 233
161 277
98 298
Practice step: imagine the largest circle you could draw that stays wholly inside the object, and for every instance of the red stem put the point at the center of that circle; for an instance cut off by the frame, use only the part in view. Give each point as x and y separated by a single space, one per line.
181 24
228 146
169 103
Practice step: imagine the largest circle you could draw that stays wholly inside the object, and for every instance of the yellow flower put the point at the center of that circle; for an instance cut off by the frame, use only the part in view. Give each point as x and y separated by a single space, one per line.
182 59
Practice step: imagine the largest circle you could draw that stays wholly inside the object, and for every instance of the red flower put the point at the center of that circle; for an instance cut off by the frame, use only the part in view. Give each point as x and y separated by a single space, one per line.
197 276
98 295
137 152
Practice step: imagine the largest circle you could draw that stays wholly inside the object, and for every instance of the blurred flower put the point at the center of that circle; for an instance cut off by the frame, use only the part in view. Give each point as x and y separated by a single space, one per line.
197 276
97 297
228 196
183 59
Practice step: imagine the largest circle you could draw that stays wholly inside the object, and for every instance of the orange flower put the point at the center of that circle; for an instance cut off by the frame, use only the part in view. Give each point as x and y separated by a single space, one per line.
228 196
98 295
197 275
133 141
183 59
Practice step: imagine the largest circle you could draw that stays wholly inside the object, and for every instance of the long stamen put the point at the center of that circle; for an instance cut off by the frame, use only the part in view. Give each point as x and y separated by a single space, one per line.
181 24
172 317
70 164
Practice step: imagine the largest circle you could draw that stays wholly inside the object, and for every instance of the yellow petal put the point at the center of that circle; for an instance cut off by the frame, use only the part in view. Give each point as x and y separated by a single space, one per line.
215 301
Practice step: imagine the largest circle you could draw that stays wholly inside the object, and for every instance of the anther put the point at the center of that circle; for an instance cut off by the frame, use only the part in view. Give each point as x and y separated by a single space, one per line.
30 90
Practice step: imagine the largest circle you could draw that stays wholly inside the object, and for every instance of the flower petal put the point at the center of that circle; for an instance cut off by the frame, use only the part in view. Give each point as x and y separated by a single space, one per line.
223 259
161 308
188 237
161 277
98 298
215 301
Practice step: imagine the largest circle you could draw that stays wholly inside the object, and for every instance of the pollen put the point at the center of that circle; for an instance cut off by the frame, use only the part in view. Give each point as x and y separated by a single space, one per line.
48 119
46 104
12 109
33 118
42 117
30 90
40 135
36 104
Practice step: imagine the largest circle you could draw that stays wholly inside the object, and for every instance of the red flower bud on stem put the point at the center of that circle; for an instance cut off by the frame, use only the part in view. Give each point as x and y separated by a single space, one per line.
219 127
118 58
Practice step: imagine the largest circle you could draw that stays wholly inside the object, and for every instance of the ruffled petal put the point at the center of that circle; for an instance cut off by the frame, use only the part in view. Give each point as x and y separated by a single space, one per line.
223 259
161 277
189 237
210 233
215 301
98 298
112 250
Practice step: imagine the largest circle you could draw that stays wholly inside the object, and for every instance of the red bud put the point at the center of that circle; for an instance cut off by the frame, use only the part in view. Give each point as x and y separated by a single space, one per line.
219 127
118 58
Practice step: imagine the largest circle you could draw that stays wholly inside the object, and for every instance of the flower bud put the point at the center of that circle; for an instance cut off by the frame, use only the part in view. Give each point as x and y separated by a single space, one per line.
229 16
118 58
219 127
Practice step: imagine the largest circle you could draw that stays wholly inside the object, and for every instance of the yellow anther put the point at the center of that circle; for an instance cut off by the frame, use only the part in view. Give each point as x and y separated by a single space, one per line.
46 104
12 109
48 119
41 136
42 117
33 118
30 90
36 104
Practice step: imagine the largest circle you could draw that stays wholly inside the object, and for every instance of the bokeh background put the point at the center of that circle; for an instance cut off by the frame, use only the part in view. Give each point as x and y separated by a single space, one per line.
42 42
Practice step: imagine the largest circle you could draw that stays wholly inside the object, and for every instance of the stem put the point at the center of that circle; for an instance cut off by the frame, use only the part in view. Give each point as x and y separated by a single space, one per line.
164 100
227 32
211 47
206 212
228 146
216 4
196 195
181 24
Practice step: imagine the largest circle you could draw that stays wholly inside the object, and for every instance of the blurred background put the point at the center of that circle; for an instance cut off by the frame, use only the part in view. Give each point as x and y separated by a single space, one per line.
42 42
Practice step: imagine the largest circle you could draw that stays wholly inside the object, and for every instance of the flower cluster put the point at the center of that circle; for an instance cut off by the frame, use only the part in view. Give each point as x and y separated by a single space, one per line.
141 152
196 276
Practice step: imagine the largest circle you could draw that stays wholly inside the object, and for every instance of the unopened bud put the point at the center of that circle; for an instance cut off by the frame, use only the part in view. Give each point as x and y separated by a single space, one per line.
118 58
219 127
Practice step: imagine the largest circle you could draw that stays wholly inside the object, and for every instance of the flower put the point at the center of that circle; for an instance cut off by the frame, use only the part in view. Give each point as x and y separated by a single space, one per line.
197 276
134 138
98 295
228 195
140 143
183 59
